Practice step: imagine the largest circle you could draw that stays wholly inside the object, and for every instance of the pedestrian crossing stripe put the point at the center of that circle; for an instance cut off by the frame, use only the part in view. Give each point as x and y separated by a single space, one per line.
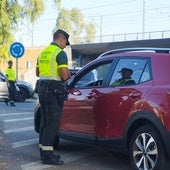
18 129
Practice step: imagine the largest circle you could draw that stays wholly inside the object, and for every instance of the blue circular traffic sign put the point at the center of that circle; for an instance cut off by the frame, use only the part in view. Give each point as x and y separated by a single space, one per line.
17 50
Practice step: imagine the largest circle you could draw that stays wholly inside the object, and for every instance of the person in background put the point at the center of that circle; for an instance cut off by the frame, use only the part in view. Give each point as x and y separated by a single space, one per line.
126 78
52 70
11 80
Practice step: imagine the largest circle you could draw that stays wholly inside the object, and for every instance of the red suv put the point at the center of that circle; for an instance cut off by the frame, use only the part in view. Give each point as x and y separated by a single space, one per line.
121 101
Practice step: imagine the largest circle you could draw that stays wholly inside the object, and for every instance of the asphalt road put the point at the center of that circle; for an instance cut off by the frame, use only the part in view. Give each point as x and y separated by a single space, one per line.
19 146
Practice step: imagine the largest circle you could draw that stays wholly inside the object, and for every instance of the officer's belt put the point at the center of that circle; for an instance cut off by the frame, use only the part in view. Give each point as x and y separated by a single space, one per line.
57 78
51 82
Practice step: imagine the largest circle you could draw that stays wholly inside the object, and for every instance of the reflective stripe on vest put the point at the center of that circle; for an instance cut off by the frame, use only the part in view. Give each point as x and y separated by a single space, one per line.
48 67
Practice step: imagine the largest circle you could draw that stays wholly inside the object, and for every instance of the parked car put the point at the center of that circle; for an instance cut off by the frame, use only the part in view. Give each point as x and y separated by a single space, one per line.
25 91
128 118
74 70
3 89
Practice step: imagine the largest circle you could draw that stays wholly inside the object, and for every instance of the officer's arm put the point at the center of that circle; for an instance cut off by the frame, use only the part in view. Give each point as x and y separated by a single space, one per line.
62 61
64 73
6 79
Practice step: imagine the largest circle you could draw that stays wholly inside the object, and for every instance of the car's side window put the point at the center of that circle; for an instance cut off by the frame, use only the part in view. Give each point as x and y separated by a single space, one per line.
93 77
130 71
146 75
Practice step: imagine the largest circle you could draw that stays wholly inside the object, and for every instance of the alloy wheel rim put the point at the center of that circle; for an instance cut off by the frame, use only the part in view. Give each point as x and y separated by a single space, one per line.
145 152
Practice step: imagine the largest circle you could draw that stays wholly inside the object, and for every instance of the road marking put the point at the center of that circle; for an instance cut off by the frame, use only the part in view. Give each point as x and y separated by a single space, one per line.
18 129
24 143
18 119
35 165
15 114
67 157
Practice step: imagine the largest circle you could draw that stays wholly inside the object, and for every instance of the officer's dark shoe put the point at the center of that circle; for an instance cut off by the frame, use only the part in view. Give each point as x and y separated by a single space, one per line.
53 162
12 104
49 158
42 155
6 102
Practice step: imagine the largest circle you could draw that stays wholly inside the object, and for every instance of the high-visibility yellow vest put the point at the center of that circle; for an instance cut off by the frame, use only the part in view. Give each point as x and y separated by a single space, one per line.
10 74
48 66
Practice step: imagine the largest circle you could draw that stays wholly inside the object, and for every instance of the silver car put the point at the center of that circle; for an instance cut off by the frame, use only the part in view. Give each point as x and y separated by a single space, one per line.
25 91
3 88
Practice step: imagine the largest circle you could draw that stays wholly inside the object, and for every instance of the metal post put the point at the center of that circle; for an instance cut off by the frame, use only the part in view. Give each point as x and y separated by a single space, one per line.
143 23
101 18
16 68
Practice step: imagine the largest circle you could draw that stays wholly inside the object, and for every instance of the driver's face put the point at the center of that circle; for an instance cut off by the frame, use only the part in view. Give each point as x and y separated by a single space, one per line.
126 74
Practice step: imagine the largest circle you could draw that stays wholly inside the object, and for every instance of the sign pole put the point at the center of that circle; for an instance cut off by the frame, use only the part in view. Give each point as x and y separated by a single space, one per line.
16 68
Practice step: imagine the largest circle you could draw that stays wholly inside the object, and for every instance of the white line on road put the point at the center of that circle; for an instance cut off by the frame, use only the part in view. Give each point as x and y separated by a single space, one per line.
34 165
16 114
24 143
18 119
18 129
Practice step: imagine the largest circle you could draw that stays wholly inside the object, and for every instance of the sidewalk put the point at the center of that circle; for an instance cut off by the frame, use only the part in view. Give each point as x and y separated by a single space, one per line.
2 166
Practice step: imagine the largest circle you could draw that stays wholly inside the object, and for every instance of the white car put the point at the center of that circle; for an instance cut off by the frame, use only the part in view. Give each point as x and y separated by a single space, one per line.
3 89
25 91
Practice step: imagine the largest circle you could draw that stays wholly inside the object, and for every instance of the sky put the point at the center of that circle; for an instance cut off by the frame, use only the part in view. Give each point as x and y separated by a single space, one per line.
111 17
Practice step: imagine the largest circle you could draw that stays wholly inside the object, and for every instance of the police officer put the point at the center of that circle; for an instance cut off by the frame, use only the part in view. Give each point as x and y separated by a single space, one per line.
52 69
11 80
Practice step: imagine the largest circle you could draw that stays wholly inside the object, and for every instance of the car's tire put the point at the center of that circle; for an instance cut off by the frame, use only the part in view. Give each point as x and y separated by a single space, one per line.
21 96
146 149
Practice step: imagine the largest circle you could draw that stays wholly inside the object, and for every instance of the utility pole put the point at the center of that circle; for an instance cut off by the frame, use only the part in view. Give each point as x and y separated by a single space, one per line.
101 22
32 35
99 26
143 21
31 31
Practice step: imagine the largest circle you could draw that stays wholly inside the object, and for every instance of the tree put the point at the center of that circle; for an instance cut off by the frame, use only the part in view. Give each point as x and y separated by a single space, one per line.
11 12
33 10
73 22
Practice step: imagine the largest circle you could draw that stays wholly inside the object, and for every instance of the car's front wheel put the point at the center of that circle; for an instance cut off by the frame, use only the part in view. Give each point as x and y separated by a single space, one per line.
146 149
21 95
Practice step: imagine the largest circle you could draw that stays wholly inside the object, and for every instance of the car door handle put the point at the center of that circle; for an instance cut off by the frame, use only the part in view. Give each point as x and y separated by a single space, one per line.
77 93
135 95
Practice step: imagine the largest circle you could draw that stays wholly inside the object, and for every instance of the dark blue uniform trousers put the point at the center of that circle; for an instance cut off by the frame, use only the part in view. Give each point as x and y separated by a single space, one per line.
51 98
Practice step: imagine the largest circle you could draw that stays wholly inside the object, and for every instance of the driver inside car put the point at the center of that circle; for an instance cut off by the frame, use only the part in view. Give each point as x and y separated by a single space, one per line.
125 79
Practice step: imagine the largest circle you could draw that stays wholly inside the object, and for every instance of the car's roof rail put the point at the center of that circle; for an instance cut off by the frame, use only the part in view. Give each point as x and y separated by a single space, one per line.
156 50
